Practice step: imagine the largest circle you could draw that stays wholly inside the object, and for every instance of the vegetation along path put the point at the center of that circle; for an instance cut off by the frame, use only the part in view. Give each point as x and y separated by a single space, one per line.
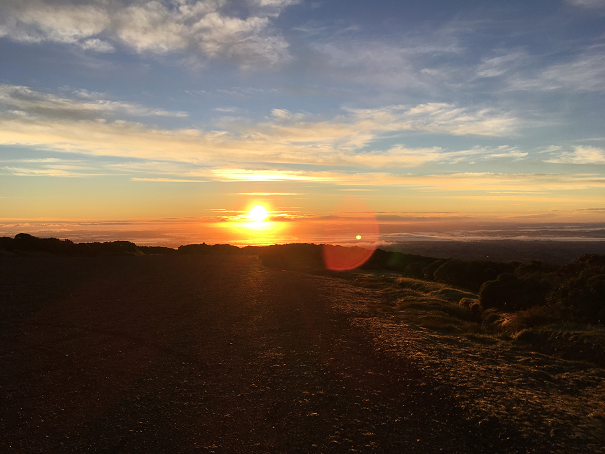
195 353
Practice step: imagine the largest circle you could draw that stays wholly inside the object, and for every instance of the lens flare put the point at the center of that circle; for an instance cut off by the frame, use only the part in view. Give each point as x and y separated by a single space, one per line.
356 220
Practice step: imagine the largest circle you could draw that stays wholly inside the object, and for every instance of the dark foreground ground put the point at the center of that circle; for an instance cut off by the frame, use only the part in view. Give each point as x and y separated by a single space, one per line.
210 354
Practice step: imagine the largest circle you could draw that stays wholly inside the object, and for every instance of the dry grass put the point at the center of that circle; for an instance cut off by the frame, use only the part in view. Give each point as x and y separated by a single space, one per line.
530 368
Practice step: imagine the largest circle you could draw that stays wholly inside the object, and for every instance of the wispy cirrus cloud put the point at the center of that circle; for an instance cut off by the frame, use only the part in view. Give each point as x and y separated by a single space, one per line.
445 118
143 26
590 4
81 104
400 62
498 65
229 174
264 194
484 182
84 123
580 155
50 170
584 73
167 180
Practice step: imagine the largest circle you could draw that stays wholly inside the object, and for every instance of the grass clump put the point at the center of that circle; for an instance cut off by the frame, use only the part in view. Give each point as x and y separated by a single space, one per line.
523 307
453 295
418 285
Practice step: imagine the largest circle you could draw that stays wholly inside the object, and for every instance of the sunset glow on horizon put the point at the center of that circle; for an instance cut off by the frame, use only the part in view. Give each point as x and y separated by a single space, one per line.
253 121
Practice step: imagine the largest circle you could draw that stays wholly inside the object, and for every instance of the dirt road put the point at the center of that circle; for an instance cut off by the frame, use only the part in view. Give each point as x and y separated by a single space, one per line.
207 354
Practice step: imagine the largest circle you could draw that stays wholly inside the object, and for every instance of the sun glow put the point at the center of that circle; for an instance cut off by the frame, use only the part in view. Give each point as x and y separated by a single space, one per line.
258 213
255 227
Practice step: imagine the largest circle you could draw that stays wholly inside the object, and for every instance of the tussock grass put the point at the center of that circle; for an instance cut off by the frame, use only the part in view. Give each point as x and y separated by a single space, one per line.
453 295
531 369
418 285
452 311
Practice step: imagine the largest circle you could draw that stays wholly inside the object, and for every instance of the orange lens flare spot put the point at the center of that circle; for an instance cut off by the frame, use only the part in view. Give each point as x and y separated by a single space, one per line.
356 220
340 258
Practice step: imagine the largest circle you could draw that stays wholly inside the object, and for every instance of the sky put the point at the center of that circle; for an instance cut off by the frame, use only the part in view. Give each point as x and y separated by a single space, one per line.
166 121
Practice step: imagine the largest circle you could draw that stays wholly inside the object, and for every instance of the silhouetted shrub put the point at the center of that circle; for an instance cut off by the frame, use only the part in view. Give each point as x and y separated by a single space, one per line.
110 248
26 242
535 269
430 269
470 274
510 293
157 250
208 249
394 261
476 308
585 293
415 269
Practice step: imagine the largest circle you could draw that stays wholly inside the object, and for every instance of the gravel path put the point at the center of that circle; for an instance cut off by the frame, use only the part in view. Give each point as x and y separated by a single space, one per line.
207 354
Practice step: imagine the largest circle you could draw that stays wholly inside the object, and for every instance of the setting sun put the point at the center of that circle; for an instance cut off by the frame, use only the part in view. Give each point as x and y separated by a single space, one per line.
258 213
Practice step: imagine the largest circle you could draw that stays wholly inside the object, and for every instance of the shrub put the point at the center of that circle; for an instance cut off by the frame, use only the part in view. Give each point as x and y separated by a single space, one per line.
467 302
476 307
510 293
534 316
430 269
396 261
415 270
535 269
470 274
586 295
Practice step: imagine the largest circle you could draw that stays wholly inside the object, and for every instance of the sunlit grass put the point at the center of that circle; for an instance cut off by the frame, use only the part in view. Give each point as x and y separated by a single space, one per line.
450 311
531 369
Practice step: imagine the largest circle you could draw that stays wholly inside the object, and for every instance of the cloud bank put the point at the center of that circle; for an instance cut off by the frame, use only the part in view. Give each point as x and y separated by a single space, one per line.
156 27
89 124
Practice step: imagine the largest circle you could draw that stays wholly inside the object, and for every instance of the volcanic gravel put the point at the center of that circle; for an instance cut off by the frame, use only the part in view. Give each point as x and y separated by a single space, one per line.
202 353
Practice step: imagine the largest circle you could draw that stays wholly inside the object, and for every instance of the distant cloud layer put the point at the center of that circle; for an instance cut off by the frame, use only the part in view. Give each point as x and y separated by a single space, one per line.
156 27
88 123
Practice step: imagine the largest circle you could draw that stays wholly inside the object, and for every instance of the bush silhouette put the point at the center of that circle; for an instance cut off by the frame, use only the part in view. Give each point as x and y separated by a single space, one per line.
585 293
430 269
208 249
470 274
24 242
510 293
415 269
394 261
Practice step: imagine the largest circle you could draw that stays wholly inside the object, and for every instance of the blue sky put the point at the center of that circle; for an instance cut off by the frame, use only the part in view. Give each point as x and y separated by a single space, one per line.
152 109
